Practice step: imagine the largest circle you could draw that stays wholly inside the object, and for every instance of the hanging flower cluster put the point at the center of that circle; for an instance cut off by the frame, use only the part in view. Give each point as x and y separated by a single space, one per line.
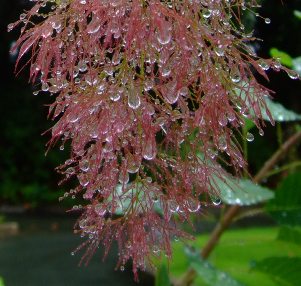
151 95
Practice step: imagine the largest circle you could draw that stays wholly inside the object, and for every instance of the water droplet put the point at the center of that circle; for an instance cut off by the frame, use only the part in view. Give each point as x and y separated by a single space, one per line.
84 165
164 34
22 16
222 143
134 100
123 178
47 31
207 13
223 120
82 66
10 27
72 253
100 209
122 268
70 171
267 20
261 132
292 74
216 201
93 26
235 78
45 86
156 249
263 65
219 51
250 137
173 207
150 149
193 205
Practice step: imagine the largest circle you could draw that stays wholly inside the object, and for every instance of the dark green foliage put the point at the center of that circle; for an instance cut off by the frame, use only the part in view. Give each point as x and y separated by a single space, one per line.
285 271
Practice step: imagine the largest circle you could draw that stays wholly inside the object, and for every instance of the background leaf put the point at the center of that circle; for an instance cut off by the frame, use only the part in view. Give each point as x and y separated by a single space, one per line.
285 208
290 234
207 273
283 270
297 14
284 58
297 65
242 192
162 277
279 112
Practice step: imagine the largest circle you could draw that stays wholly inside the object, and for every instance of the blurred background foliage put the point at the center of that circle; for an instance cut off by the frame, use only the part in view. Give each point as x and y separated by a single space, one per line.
244 257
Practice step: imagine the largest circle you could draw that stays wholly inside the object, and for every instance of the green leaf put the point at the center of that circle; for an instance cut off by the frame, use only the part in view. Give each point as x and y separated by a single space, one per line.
162 277
290 234
206 272
1 282
297 14
283 270
297 65
284 58
285 208
279 112
242 192
249 124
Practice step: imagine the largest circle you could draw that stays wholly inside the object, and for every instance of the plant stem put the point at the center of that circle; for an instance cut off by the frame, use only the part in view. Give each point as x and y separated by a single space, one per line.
232 211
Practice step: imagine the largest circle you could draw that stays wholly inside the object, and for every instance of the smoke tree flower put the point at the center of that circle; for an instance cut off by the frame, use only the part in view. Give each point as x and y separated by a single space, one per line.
151 96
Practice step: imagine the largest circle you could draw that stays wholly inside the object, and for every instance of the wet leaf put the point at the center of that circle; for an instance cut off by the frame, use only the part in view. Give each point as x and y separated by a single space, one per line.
283 270
209 274
242 192
279 112
290 234
162 277
285 59
285 208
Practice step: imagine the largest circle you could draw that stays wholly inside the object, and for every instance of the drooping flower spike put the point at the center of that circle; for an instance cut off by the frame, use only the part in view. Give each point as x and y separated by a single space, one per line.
150 94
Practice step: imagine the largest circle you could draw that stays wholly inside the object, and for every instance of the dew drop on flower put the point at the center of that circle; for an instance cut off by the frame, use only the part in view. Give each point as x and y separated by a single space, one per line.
264 65
10 27
150 150
292 74
45 86
134 100
223 120
219 51
93 26
216 200
164 35
114 96
235 78
47 31
173 207
156 249
193 205
222 143
82 66
250 137
22 16
261 132
84 165
124 178
207 13
100 209
122 268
